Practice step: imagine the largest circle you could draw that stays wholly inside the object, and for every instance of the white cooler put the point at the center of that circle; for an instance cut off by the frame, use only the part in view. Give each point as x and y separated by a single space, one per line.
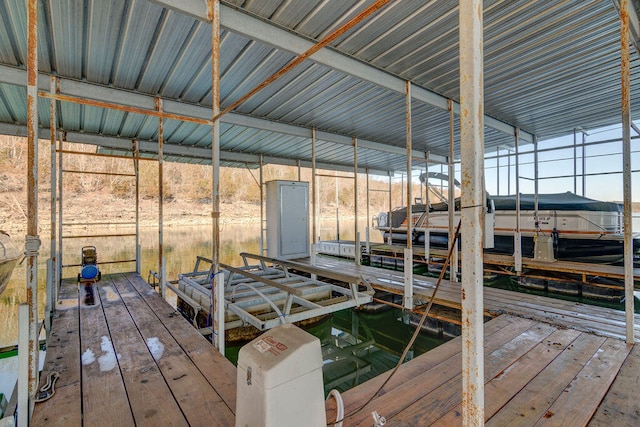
280 380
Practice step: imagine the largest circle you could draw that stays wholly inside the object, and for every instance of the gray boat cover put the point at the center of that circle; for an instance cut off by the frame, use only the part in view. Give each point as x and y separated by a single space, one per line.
555 202
546 202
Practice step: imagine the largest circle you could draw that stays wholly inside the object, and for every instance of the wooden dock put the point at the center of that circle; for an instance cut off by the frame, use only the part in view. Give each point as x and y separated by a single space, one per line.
535 374
584 317
503 264
130 359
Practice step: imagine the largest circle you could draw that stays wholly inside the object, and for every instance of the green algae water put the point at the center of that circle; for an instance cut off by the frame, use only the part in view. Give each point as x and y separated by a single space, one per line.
358 346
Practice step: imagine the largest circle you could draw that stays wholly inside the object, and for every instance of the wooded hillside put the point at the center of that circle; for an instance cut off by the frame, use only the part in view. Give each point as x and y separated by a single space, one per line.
187 189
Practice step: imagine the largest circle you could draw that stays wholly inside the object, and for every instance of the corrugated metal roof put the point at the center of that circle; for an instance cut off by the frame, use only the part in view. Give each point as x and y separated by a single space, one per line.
549 67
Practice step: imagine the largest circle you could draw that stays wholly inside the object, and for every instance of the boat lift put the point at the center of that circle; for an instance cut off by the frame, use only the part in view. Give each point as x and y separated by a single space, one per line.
268 293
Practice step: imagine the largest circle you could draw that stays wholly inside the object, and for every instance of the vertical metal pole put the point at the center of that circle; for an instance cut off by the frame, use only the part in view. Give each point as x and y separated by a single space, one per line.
390 237
408 252
32 240
299 170
314 186
427 232
368 214
575 161
52 284
136 167
218 291
60 200
161 262
498 171
23 365
584 165
453 266
508 172
262 220
626 168
517 237
337 201
472 156
356 234
401 190
535 185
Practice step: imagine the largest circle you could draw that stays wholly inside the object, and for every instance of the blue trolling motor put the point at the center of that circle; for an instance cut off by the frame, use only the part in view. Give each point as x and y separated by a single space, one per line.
89 273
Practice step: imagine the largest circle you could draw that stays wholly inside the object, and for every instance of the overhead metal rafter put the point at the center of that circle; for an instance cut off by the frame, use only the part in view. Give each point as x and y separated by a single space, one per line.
150 147
634 25
101 93
249 26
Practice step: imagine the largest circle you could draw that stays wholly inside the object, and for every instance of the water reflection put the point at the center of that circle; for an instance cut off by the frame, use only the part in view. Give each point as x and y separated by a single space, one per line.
181 246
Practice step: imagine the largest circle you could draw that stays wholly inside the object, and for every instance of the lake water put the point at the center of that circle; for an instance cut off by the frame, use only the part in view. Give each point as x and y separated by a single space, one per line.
181 247
356 345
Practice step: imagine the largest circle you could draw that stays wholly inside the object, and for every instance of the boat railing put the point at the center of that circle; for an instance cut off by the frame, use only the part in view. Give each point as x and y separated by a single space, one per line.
615 228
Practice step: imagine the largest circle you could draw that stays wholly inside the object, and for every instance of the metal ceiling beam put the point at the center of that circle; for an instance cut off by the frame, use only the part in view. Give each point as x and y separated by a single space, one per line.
240 22
151 147
18 77
634 24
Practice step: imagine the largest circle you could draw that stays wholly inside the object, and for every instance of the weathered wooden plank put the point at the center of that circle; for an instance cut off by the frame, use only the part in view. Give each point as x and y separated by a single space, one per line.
103 391
447 395
198 400
506 326
588 318
511 380
621 406
582 396
607 327
63 356
151 400
534 400
218 370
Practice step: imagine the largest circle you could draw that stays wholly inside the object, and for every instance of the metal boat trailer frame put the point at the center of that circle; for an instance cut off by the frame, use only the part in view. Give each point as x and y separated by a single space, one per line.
272 290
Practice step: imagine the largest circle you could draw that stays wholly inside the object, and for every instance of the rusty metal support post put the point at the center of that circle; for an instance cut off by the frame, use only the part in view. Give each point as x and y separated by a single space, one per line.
498 171
24 417
368 229
535 185
408 252
60 200
401 189
314 201
356 232
517 237
32 240
427 233
314 188
575 160
472 206
52 281
584 164
136 167
453 265
216 288
263 226
508 172
626 168
161 261
389 222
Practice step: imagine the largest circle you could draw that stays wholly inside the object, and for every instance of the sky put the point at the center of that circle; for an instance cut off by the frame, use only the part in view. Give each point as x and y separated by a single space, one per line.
603 166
